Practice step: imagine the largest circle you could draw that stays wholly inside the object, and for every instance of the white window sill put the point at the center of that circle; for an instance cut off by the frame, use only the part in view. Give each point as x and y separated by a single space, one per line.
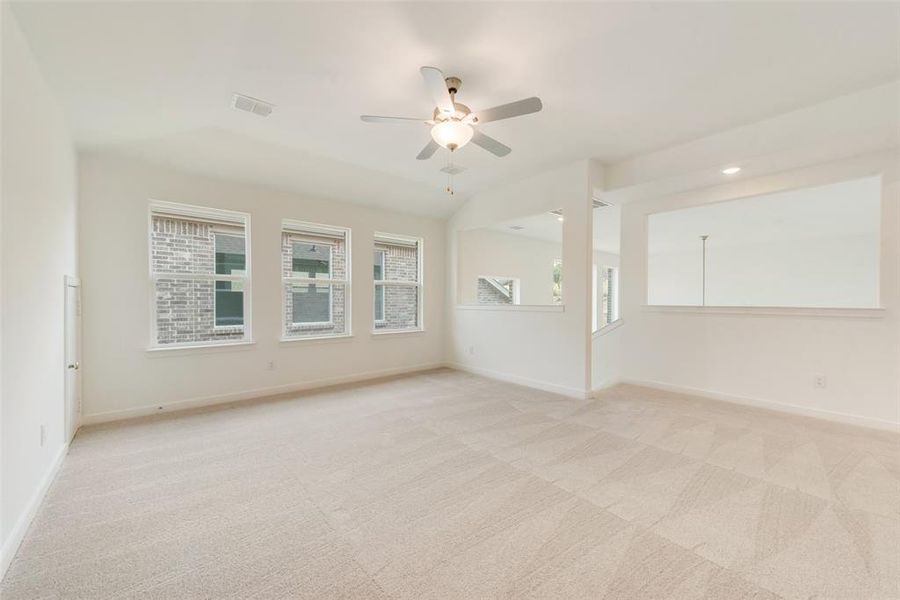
388 332
608 328
317 338
770 311
514 307
179 349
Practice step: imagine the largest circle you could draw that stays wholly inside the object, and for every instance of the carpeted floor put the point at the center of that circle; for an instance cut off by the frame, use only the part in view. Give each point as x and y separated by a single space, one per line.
446 485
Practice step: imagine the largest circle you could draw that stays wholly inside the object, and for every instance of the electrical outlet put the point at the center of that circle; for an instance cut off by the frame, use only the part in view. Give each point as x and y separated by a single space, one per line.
472 350
271 365
43 436
820 381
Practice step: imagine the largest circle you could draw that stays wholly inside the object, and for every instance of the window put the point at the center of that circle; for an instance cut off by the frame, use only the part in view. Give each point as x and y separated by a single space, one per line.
200 271
809 247
315 273
231 259
379 289
557 281
498 290
398 283
605 296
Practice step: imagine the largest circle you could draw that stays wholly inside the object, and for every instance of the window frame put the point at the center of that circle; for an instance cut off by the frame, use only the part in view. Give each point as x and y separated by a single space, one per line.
208 214
216 326
330 321
600 273
304 227
375 313
418 284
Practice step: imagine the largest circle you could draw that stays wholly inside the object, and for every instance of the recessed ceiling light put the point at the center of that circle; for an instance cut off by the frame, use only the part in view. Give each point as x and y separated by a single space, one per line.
730 170
560 219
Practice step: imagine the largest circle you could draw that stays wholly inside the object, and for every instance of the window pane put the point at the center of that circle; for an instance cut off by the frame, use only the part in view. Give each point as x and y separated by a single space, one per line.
181 246
185 312
557 281
230 254
379 303
401 261
229 303
401 307
379 265
311 260
314 309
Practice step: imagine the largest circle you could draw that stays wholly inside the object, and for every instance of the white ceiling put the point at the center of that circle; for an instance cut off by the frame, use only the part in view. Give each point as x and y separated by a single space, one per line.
617 80
847 208
546 226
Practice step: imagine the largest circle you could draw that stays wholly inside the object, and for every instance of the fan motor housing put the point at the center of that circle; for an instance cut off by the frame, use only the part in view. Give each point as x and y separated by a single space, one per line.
453 84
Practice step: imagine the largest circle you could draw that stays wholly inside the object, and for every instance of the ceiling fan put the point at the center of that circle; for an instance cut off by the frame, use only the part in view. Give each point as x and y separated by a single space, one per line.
452 122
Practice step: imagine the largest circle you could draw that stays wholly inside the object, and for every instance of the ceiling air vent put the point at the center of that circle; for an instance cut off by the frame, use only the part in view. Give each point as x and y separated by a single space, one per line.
516 227
252 105
601 203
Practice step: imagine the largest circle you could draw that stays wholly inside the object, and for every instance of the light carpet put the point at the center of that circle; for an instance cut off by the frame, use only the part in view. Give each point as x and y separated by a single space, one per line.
448 485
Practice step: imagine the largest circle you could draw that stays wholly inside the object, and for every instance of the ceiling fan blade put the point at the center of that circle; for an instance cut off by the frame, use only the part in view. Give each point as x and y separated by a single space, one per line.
513 109
437 87
428 150
390 120
490 144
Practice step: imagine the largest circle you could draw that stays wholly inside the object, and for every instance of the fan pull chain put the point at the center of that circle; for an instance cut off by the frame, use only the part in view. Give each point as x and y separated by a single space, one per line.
450 172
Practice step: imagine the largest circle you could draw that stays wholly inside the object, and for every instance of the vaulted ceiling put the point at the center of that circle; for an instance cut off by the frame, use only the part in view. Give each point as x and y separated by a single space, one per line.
617 80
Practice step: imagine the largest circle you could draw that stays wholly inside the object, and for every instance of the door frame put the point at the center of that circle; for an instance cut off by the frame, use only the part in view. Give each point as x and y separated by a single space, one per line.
70 281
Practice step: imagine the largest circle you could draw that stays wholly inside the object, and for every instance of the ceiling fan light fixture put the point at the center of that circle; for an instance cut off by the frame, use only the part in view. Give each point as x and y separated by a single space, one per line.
452 134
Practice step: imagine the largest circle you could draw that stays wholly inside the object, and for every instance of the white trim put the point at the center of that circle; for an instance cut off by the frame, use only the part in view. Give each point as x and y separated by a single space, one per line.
179 349
315 338
200 402
301 227
381 332
608 328
18 531
795 409
775 311
514 307
193 211
546 386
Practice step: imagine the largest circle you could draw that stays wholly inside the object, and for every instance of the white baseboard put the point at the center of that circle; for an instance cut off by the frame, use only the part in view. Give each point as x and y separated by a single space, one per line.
17 534
143 411
604 385
526 381
794 409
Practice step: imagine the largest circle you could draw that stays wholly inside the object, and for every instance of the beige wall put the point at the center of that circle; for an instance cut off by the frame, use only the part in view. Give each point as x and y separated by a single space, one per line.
122 378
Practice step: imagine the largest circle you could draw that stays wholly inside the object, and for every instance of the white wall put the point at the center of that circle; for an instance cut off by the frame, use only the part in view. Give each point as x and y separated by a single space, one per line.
483 252
38 250
766 358
546 347
122 378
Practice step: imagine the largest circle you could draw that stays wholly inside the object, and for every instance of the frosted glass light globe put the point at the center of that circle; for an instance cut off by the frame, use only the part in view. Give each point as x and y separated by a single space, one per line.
452 134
